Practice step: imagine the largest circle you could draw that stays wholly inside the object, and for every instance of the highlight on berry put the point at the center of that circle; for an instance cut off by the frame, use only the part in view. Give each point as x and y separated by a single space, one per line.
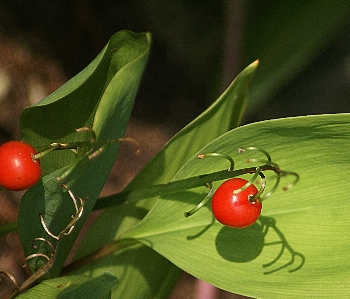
19 167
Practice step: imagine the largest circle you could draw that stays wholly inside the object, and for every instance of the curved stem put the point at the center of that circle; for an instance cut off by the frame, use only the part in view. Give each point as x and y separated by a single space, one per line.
227 157
296 180
75 146
43 240
254 148
202 203
268 194
39 155
261 190
250 182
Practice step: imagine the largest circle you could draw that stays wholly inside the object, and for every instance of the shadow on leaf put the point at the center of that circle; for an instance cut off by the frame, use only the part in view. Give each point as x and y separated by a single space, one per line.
269 223
240 245
245 245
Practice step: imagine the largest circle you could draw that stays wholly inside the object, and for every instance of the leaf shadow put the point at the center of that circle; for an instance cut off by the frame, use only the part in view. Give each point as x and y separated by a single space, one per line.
245 245
202 231
137 264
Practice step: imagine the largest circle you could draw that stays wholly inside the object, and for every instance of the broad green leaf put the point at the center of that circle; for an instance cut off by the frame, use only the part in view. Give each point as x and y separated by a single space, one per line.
142 272
221 116
286 37
224 114
311 219
101 96
76 286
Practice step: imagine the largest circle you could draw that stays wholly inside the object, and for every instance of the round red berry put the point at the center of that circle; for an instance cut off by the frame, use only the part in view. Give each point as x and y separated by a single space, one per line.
18 169
234 209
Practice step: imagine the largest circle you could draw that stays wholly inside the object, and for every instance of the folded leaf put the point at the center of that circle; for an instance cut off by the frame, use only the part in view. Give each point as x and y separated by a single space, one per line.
221 116
100 97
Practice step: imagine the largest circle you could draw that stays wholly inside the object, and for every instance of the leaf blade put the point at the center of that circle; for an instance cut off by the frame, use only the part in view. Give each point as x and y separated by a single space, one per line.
310 223
81 102
213 122
77 286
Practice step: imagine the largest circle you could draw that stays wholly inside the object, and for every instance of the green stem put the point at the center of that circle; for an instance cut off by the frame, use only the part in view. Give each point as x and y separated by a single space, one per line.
64 146
131 196
98 254
202 203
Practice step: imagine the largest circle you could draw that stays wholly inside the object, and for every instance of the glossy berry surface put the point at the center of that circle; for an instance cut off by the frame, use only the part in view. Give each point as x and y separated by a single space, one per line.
18 169
235 210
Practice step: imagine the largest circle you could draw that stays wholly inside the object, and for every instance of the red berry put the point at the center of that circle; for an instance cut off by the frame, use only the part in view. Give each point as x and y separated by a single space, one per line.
18 169
235 210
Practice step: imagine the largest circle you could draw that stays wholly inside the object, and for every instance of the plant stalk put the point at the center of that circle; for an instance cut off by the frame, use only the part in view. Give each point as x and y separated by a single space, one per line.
132 196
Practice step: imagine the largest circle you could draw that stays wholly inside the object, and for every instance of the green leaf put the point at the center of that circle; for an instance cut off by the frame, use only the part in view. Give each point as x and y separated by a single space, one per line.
101 96
311 220
142 273
286 37
76 286
221 116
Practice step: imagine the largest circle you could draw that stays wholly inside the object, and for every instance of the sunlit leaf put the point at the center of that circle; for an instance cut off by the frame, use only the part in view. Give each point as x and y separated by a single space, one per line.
223 115
311 220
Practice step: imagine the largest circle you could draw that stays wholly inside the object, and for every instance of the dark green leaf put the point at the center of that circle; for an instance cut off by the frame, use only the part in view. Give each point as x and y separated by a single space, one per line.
76 286
287 36
101 96
216 120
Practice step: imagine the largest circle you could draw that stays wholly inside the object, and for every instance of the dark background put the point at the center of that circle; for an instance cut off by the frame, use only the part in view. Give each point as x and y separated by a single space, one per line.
198 48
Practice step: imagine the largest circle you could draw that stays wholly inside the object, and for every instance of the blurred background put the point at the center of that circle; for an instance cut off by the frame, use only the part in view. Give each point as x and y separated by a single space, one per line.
198 48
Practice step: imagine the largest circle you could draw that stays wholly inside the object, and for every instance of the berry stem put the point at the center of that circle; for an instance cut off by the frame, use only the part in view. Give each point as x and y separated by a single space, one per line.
227 157
95 148
261 190
202 203
296 179
45 152
258 149
132 196
277 181
250 182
